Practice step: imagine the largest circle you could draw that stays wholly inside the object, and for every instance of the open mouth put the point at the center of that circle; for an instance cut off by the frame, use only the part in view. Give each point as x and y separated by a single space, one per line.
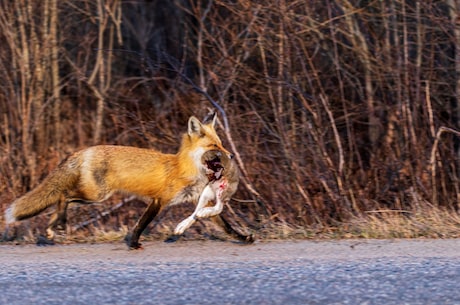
214 168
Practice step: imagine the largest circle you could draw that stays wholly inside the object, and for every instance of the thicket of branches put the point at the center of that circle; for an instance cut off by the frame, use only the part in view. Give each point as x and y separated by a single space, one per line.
334 107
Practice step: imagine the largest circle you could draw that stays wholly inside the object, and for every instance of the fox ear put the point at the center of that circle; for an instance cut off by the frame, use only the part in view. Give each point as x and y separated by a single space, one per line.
210 119
194 126
214 120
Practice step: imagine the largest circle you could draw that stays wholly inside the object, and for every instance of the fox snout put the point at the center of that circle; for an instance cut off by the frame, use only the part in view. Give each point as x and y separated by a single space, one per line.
229 155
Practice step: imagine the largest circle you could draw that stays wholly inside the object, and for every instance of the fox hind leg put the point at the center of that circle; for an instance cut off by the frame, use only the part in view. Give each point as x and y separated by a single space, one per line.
58 219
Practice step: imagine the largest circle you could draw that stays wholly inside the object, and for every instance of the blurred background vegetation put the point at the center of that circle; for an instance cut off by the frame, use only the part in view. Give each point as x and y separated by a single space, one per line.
343 114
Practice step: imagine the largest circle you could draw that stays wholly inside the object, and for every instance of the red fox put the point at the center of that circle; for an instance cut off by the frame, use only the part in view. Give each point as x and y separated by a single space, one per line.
96 173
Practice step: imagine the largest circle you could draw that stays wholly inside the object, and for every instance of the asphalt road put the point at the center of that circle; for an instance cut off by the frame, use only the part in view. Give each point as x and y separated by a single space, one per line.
193 272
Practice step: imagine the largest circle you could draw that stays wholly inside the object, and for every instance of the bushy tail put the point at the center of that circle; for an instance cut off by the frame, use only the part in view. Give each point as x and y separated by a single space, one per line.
48 193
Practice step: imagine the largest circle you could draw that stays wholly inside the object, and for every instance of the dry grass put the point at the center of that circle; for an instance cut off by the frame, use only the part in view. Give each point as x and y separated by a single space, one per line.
426 222
429 222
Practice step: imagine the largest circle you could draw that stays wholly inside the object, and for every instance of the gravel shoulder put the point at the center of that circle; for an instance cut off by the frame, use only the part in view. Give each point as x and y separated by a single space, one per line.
214 251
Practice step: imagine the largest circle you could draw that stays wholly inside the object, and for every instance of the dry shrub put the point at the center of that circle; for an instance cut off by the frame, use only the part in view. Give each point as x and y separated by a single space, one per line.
332 108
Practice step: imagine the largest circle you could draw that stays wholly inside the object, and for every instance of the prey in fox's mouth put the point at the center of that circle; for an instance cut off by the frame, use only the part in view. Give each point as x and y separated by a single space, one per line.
213 163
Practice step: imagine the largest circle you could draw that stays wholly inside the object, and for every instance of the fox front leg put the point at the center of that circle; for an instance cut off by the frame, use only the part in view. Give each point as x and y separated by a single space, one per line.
149 214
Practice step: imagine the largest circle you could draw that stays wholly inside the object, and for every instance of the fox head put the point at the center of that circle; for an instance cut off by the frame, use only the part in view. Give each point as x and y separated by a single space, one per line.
201 138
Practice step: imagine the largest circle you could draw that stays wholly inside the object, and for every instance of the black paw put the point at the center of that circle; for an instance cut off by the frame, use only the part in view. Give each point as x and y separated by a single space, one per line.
172 239
246 239
43 241
135 246
9 236
250 239
132 244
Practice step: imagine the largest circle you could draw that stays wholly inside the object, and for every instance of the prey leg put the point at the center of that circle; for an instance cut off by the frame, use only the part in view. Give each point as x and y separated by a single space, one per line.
205 197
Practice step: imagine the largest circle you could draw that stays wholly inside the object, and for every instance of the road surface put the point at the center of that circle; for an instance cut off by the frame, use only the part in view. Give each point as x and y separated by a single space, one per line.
212 272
